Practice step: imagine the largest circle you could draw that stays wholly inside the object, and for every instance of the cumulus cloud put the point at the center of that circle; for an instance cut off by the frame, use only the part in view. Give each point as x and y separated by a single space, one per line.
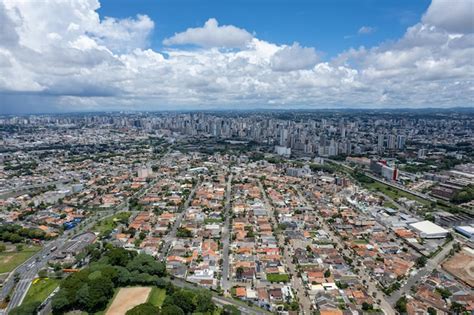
76 60
295 57
455 16
364 30
211 35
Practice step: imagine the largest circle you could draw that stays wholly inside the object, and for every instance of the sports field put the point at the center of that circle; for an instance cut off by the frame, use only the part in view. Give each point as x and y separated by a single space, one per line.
128 298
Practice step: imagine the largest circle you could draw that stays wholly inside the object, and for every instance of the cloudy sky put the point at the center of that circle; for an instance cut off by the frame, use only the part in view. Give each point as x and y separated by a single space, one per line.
86 55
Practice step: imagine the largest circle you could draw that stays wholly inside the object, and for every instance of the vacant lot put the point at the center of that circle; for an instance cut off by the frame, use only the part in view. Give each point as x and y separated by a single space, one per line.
461 265
10 260
128 298
40 289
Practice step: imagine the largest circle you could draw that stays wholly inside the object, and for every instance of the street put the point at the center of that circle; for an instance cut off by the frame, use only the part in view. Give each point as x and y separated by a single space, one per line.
296 282
225 283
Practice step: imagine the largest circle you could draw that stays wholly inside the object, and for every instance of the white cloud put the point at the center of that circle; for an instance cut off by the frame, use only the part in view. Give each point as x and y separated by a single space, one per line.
212 35
295 57
364 30
455 16
75 60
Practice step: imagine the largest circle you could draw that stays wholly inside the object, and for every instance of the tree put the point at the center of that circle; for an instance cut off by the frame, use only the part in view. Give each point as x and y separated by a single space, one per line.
327 273
184 300
43 273
457 308
445 293
204 302
60 302
239 271
421 261
401 305
143 309
26 309
119 256
367 306
2 248
147 264
431 311
171 310
19 247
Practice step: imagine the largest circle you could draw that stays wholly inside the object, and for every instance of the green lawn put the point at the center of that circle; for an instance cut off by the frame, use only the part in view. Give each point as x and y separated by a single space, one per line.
110 223
10 260
274 277
395 193
40 290
157 296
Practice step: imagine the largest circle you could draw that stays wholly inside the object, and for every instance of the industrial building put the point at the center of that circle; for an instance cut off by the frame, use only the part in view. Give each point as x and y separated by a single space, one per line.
427 229
467 231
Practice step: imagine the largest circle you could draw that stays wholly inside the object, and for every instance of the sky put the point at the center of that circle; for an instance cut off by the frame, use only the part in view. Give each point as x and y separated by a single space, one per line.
90 55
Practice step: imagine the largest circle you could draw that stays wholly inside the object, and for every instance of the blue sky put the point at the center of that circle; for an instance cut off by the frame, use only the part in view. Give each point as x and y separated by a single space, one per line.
331 26
95 55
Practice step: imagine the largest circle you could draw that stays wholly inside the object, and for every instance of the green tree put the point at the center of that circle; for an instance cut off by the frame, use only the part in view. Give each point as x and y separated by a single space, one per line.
401 305
147 264
457 308
431 311
171 310
25 309
143 309
421 261
367 306
184 300
203 301
119 256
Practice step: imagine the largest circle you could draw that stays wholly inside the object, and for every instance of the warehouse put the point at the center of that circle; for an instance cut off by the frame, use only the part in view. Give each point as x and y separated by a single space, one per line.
467 231
427 229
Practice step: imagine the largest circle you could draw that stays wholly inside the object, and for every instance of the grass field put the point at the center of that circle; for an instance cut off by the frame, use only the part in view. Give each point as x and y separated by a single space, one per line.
110 223
278 277
10 260
394 193
40 289
157 296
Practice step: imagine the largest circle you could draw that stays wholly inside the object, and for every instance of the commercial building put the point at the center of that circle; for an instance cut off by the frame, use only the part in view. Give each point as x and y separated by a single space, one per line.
427 229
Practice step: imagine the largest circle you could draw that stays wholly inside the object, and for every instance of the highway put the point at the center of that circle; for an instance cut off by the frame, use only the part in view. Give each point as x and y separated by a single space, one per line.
70 239
225 283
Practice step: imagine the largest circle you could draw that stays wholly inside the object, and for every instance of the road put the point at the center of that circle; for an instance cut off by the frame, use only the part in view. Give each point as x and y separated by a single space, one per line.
296 282
431 264
172 234
222 301
29 269
225 283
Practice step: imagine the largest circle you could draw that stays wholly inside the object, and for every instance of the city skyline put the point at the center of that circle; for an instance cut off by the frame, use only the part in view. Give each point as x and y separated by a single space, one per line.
89 56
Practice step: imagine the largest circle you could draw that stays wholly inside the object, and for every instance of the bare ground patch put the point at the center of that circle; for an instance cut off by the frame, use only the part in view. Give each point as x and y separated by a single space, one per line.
128 298
461 265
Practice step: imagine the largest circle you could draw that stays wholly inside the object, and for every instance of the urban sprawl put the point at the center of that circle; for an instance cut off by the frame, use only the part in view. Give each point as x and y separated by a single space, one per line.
265 212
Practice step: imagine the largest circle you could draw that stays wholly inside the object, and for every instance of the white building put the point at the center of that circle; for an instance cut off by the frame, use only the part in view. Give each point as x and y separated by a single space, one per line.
428 229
